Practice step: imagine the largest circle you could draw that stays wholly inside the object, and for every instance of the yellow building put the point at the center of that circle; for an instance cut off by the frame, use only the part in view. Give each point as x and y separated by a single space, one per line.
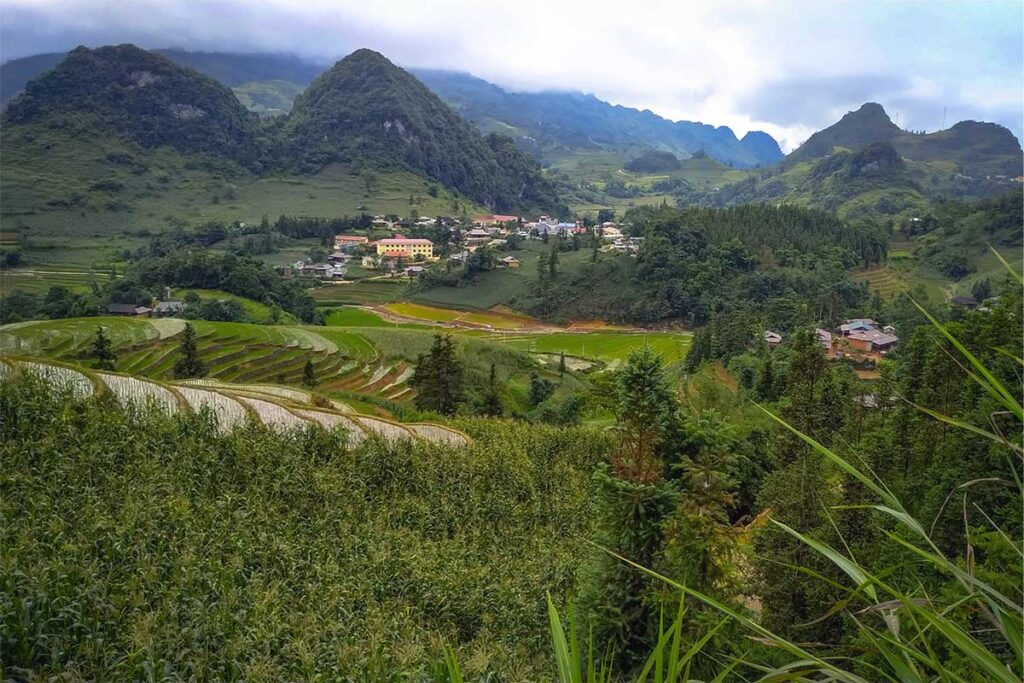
405 248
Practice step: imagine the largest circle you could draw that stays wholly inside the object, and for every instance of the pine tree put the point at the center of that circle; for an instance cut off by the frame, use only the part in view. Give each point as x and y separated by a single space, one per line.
553 260
540 389
309 374
561 364
101 351
438 377
634 502
492 406
189 365
646 405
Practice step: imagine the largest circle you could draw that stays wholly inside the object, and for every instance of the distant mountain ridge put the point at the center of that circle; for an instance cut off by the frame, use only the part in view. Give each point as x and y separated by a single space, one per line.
539 121
865 165
983 148
582 121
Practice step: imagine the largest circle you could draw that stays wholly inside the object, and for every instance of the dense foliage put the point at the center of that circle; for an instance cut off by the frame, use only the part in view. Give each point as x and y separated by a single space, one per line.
147 97
789 264
653 161
124 533
205 269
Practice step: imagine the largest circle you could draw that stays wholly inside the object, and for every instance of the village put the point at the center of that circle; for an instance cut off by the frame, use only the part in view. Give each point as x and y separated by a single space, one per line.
399 255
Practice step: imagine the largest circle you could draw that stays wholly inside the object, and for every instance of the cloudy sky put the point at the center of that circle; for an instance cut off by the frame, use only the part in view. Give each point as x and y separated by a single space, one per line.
785 67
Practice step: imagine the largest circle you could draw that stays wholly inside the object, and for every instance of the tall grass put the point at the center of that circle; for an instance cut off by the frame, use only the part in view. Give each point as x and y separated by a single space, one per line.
973 630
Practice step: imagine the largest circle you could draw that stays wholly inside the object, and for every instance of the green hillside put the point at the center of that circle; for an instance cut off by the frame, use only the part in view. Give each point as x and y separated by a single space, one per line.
119 139
128 92
366 108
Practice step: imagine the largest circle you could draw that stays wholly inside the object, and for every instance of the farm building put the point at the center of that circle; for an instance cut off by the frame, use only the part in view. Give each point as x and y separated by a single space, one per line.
509 262
824 338
965 301
871 340
168 308
772 339
128 309
858 325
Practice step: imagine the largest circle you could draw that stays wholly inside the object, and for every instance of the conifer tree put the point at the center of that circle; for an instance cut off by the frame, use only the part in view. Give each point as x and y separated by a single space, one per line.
561 364
189 365
101 351
492 406
309 374
438 377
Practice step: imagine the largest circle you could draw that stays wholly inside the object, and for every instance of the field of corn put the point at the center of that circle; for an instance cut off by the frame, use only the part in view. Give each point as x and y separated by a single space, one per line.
143 545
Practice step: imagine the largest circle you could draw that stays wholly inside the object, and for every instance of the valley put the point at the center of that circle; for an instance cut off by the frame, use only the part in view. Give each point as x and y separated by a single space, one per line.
357 372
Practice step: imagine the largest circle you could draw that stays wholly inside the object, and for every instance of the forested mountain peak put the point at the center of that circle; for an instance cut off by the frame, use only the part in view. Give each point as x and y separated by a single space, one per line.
856 129
125 90
366 108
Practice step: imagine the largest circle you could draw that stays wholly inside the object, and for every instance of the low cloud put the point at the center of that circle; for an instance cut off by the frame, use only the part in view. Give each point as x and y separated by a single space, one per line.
749 65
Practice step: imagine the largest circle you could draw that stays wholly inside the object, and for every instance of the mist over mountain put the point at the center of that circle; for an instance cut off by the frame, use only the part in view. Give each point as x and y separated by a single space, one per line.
551 121
545 123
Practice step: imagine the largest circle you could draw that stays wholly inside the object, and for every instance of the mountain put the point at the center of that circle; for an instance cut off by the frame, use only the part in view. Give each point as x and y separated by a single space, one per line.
231 69
550 122
977 148
367 109
145 97
856 129
865 165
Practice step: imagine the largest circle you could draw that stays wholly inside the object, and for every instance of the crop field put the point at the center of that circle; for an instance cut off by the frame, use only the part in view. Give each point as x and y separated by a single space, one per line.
350 316
500 319
359 292
232 405
885 280
609 347
39 279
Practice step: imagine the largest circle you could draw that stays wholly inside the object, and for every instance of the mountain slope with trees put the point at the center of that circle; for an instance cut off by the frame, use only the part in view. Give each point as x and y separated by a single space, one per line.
127 91
365 108
866 165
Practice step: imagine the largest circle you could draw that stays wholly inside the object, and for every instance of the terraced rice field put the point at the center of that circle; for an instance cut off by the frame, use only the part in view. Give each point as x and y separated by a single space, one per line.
232 405
885 280
70 338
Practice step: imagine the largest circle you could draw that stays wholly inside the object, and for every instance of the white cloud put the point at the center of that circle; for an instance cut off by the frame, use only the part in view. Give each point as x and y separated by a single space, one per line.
712 63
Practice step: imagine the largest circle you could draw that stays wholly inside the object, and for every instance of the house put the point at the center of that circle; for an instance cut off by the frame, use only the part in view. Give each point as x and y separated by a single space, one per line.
497 244
163 309
509 262
413 271
858 325
476 237
369 262
824 338
128 309
342 242
610 232
403 247
871 340
965 301
772 339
